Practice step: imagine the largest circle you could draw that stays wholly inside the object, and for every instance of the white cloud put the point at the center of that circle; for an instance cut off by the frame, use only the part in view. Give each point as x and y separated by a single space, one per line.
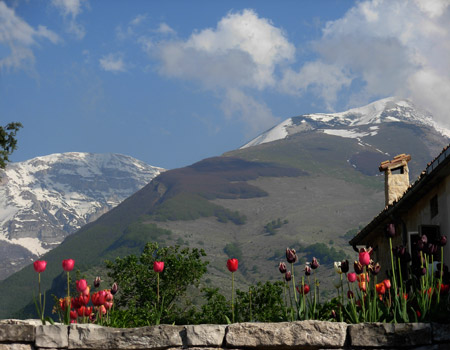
386 48
17 38
164 28
242 50
113 63
242 53
70 9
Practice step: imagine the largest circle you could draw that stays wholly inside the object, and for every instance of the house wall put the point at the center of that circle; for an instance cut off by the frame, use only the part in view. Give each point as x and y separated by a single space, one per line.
420 214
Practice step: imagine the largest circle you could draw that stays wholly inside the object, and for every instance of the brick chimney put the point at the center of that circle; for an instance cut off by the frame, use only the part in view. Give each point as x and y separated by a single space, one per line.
396 177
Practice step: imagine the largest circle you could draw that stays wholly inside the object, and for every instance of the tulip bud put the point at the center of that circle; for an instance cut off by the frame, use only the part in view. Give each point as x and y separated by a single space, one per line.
232 265
288 276
158 266
68 264
307 270
390 230
364 258
333 314
375 269
424 239
443 241
350 294
303 289
291 256
387 283
81 285
114 288
282 267
39 265
314 263
97 282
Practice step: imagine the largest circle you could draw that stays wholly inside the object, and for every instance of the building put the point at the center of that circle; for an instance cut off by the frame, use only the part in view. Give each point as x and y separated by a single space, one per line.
420 208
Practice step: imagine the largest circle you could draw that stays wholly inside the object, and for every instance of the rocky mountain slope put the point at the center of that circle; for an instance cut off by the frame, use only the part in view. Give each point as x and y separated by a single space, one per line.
44 199
310 190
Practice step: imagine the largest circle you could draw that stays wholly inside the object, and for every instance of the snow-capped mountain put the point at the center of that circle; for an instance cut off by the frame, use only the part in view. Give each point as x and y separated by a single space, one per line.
44 199
355 123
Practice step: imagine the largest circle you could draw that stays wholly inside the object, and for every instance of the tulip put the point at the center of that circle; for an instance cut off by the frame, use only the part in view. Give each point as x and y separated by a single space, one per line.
81 310
364 258
73 315
86 291
282 267
314 263
81 285
68 264
443 241
351 277
158 266
307 270
357 266
114 288
350 294
337 267
232 265
303 289
390 230
387 283
40 265
288 276
291 256
83 299
333 314
97 282
380 288
344 266
375 269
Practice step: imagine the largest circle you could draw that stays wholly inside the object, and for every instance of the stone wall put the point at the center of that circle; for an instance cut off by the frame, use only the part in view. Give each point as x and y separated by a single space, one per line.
31 335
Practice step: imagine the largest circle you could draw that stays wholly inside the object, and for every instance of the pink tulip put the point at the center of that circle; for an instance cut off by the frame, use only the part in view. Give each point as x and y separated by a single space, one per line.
364 258
81 285
351 277
158 266
40 265
68 264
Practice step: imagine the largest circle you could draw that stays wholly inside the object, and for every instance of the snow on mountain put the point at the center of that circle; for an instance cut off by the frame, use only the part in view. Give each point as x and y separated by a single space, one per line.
354 123
44 199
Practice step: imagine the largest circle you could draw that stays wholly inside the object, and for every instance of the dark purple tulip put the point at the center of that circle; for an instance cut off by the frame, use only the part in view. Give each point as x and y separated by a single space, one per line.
97 281
307 270
358 267
314 263
350 294
432 248
390 230
291 255
375 269
114 288
288 276
282 267
344 266
424 239
443 241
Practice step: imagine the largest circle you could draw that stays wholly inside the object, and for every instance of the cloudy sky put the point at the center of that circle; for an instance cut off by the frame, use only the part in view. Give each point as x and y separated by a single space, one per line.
173 82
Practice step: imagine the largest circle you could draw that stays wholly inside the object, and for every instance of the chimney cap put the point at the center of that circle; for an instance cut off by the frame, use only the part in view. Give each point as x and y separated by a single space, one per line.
400 159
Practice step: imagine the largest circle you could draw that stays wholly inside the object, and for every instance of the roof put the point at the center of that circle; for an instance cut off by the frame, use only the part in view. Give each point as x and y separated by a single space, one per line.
398 161
435 171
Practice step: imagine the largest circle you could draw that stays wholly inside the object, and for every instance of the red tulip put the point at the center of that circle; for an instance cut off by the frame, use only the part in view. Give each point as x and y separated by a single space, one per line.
303 289
81 285
387 284
232 265
158 266
73 314
40 265
380 288
68 264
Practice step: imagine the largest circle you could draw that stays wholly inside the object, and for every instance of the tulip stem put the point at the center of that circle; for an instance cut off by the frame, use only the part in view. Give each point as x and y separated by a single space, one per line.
232 296
157 286
293 283
440 275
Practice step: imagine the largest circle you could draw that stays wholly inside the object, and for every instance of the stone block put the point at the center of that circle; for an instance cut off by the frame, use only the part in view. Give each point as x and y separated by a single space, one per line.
98 337
441 332
17 333
389 334
205 335
16 346
52 336
287 334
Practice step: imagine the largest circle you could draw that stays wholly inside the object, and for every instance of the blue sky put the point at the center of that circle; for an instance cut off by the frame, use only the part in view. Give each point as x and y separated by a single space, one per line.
173 82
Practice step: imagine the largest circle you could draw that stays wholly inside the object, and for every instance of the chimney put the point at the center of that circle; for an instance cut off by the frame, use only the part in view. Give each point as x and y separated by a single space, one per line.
396 177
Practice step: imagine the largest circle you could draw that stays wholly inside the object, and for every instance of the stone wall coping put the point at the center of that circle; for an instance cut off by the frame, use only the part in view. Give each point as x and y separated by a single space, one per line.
311 334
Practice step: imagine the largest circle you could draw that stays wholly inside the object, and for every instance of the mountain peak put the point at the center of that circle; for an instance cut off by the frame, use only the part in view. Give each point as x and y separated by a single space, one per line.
349 123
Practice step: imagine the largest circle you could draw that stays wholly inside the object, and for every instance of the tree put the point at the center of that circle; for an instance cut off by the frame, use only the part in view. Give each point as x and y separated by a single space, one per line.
8 142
